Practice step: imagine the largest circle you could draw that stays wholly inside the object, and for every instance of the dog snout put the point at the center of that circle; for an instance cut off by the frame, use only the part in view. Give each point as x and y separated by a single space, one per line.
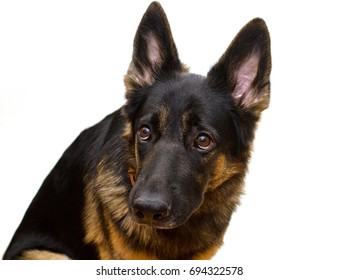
151 209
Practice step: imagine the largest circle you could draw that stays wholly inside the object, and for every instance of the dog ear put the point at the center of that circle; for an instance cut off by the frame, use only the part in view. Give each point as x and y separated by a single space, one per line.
154 51
244 69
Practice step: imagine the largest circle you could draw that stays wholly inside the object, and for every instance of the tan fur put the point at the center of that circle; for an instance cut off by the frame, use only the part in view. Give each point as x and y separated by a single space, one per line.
42 255
164 117
185 120
207 254
127 131
223 171
93 231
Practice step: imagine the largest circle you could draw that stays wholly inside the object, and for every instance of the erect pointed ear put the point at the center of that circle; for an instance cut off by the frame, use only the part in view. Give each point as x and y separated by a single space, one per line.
244 69
154 51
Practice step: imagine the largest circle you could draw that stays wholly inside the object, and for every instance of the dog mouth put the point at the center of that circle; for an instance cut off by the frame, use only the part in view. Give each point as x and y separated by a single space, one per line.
156 220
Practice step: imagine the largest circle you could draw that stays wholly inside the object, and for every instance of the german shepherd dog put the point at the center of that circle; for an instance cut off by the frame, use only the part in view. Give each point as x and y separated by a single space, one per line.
160 177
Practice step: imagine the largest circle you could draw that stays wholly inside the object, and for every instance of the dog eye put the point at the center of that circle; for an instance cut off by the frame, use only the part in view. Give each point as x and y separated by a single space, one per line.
144 133
203 142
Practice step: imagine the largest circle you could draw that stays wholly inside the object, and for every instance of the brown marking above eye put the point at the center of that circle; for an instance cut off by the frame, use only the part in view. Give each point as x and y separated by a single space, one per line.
203 142
144 133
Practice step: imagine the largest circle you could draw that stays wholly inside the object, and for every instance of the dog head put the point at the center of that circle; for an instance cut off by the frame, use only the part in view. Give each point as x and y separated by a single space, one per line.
190 134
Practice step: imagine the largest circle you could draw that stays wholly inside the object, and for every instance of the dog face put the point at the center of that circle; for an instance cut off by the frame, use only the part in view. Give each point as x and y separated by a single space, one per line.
179 147
190 134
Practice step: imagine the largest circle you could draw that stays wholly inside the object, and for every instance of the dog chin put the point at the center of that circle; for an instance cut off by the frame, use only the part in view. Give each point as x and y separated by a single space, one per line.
165 223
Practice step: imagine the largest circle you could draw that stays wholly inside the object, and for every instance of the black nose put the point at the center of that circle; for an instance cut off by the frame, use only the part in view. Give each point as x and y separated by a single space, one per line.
151 210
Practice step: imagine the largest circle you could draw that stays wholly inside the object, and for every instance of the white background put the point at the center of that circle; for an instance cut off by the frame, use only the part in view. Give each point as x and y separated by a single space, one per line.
61 70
